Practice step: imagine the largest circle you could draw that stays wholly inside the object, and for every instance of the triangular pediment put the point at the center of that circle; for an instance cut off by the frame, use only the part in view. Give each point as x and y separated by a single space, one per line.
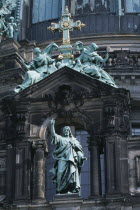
65 77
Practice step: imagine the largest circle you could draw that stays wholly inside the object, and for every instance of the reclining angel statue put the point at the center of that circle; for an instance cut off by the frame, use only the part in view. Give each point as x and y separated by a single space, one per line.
69 158
90 63
40 67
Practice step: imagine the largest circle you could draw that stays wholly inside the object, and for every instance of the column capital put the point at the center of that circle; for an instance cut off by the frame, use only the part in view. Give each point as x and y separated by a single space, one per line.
95 141
36 144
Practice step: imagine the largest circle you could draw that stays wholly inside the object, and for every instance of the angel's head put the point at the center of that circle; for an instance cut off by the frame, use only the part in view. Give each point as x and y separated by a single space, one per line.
93 46
11 19
37 51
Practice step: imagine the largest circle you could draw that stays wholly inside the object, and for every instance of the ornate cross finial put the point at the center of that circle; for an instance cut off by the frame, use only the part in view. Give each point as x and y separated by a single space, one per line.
66 25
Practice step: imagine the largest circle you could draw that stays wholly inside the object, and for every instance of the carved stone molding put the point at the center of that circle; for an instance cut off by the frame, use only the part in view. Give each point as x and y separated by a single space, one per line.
42 144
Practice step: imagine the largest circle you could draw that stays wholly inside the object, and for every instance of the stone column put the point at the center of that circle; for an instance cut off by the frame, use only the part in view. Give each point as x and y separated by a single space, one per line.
39 171
10 177
94 170
22 171
116 159
116 130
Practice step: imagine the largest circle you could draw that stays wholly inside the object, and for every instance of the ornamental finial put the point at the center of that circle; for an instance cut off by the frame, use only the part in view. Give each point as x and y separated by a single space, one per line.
65 25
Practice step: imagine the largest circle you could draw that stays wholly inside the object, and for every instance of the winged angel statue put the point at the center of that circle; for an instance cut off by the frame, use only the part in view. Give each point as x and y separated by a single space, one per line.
40 67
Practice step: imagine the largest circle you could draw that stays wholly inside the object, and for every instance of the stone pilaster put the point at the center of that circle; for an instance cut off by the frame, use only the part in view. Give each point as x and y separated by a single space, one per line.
116 163
94 170
10 180
116 130
39 171
23 172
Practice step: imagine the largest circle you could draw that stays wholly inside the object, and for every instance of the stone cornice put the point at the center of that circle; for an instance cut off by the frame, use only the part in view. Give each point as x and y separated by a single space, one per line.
102 40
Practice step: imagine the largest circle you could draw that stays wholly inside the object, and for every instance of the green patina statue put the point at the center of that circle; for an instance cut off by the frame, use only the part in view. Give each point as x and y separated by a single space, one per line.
90 63
7 28
11 28
69 158
40 67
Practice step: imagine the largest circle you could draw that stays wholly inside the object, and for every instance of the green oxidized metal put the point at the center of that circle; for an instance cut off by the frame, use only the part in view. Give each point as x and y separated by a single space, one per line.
7 28
88 63
40 67
69 159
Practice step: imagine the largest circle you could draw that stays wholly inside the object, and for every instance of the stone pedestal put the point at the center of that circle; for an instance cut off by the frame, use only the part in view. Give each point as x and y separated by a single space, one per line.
10 44
67 201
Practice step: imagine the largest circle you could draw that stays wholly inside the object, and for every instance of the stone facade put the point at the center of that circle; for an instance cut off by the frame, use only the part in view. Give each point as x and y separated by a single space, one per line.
107 114
81 104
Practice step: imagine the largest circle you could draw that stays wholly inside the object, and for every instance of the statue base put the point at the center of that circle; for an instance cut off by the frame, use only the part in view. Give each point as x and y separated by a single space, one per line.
72 196
67 201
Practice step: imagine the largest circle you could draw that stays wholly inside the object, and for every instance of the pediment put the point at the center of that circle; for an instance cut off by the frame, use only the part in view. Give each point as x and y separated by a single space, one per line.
65 77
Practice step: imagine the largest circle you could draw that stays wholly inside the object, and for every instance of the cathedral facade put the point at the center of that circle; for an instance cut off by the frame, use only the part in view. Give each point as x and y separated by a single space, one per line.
77 62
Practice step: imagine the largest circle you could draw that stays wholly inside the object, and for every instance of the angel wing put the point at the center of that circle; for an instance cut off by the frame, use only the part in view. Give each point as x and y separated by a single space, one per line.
51 47
6 6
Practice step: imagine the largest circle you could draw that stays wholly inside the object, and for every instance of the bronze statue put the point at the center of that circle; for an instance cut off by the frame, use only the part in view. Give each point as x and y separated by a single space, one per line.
40 67
69 158
11 28
90 63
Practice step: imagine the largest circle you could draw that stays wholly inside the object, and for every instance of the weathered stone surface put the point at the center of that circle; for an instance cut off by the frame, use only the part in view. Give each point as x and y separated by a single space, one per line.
85 102
67 201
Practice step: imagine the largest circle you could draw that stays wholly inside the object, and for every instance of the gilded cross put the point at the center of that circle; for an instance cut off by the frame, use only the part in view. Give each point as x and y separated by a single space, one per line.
66 25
